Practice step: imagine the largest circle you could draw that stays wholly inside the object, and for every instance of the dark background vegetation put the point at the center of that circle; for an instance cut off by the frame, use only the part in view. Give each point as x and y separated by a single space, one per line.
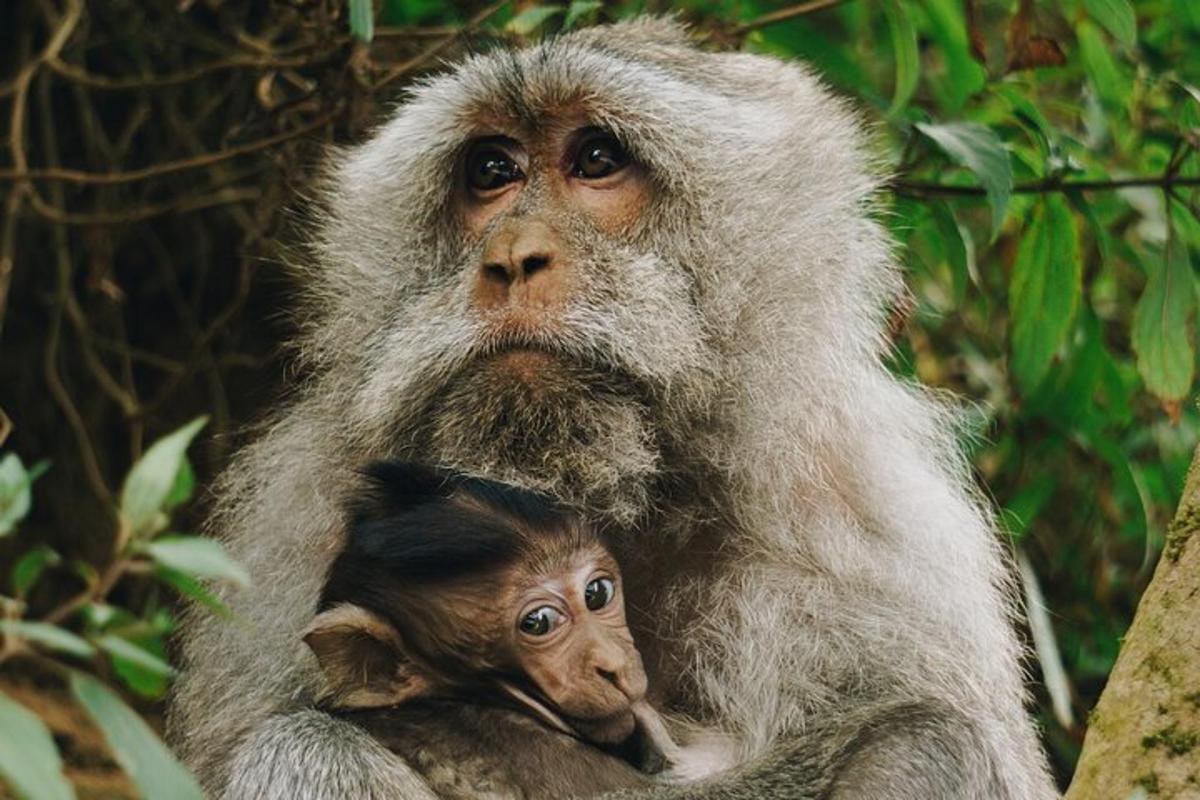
154 155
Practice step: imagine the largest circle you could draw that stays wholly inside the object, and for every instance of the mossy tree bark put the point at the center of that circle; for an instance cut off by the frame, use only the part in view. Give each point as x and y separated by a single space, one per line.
1145 731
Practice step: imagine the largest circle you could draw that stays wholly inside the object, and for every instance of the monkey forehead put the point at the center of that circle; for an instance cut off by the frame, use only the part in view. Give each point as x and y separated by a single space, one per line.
682 113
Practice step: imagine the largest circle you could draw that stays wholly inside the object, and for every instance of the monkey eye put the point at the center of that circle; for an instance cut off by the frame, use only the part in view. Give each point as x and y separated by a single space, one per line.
489 168
599 155
598 593
540 621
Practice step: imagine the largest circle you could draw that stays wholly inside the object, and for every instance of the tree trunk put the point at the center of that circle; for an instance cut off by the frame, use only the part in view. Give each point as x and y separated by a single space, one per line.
1145 731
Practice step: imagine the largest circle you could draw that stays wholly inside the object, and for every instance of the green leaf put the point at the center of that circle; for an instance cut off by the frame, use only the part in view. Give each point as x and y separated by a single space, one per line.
531 19
958 256
362 20
1117 17
188 586
30 566
50 637
1044 292
908 59
148 487
1024 507
182 489
579 10
979 149
15 496
1110 82
1166 357
138 662
198 556
124 649
961 76
29 760
141 754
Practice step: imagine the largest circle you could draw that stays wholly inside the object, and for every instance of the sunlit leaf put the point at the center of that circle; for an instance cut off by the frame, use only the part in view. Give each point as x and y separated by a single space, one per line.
1054 674
198 556
1044 291
362 20
30 566
532 18
979 149
190 587
908 59
962 76
579 10
15 494
1110 82
1162 321
29 760
50 637
1117 17
141 754
151 480
182 489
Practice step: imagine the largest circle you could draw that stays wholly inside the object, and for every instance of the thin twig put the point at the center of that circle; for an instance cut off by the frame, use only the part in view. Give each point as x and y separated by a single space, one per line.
437 47
924 189
181 205
783 14
167 167
80 75
16 141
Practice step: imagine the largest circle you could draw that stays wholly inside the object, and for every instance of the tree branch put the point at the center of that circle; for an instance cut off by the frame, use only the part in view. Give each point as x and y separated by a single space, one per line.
1145 731
783 14
167 167
922 189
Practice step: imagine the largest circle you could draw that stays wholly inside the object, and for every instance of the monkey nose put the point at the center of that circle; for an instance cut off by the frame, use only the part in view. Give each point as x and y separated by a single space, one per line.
521 262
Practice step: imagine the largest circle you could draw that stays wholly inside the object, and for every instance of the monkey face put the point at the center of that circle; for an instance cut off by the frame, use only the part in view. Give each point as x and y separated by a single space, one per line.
571 641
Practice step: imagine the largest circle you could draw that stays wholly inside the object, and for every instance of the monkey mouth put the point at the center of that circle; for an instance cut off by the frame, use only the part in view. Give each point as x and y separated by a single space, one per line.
609 730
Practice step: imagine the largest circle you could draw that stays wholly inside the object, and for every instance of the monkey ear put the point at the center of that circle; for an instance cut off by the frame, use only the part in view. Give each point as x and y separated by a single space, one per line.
363 659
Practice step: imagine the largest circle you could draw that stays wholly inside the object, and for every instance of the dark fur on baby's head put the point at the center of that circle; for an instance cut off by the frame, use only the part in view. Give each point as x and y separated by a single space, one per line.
422 524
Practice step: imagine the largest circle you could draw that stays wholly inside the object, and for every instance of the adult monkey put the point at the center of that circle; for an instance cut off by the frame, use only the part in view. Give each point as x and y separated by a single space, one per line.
643 278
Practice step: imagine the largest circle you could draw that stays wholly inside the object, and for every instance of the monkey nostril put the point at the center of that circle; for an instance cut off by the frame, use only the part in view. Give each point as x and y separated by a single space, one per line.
609 676
532 264
496 272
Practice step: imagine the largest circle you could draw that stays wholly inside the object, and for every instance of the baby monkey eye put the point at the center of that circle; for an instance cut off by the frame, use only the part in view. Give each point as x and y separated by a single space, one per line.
540 621
598 594
489 167
599 155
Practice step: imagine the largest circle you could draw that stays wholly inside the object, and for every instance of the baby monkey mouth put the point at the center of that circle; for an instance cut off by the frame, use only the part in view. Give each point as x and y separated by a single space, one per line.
612 729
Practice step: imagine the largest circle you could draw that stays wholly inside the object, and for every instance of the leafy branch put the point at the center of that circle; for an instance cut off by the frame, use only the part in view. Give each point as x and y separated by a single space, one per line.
85 631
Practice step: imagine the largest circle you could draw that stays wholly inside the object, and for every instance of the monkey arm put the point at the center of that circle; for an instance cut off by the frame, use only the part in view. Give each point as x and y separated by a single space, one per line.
309 755
881 752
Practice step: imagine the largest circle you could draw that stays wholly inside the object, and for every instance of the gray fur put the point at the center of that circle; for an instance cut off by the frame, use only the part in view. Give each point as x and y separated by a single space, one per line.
827 585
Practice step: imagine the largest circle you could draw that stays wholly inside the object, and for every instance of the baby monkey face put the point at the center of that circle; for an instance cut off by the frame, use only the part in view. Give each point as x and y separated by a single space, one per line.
569 637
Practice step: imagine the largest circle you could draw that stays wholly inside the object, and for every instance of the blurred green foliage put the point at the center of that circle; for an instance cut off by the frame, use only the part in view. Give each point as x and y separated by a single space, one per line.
124 642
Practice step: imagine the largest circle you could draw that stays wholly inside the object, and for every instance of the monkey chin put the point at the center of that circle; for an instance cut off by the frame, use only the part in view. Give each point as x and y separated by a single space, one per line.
579 431
523 365
610 730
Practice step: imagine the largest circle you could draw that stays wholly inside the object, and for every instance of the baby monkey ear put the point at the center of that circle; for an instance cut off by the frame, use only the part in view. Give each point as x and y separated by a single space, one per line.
363 659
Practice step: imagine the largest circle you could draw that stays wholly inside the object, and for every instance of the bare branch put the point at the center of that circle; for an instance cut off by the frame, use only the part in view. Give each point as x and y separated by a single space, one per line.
784 14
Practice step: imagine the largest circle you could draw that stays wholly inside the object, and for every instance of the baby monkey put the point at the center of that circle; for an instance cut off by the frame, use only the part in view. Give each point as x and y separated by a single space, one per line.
471 623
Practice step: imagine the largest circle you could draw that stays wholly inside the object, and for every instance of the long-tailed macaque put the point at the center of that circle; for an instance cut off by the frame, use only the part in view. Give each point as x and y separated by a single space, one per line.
645 279
456 604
